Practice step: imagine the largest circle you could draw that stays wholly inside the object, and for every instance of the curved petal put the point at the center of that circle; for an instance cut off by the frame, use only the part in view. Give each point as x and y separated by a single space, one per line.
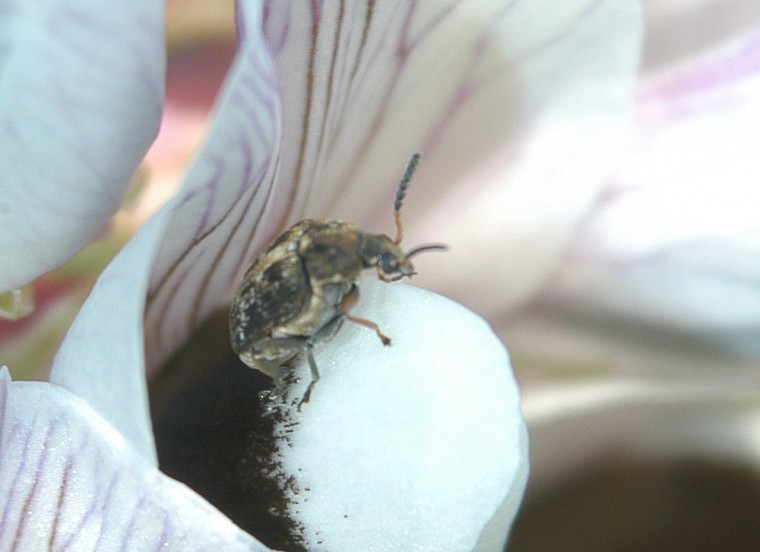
69 481
676 242
222 213
81 87
665 268
517 107
420 445
731 435
576 422
102 357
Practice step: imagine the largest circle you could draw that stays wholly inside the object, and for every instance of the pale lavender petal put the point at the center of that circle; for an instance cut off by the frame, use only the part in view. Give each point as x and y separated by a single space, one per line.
665 268
676 241
228 204
69 481
81 86
594 383
517 107
585 417
682 29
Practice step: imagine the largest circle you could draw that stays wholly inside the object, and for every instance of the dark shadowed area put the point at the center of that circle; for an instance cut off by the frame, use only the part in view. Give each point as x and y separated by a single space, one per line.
212 434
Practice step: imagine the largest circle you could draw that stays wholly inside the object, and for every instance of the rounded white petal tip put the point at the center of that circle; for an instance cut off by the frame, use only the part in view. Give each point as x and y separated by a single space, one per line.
420 445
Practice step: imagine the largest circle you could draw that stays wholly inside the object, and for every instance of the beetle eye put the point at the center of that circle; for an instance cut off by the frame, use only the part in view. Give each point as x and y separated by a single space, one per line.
388 262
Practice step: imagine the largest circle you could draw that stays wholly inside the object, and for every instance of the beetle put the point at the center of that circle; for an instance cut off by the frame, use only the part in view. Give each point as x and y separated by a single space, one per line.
299 291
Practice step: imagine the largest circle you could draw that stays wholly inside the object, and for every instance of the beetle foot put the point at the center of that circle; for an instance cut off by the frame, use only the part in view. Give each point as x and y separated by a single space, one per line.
306 395
267 395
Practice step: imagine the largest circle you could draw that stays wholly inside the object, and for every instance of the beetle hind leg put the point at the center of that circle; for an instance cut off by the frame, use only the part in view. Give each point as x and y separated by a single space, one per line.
278 373
314 374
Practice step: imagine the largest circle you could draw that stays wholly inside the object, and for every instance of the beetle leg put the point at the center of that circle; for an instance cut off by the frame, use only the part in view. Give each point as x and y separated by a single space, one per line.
371 325
388 280
349 300
278 372
324 332
314 374
395 278
283 349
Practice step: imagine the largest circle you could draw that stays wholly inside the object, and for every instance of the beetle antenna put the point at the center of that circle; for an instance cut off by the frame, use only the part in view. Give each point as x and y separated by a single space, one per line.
401 192
428 247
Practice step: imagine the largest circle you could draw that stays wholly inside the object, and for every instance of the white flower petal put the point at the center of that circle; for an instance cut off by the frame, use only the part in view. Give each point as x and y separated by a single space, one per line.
81 87
101 358
518 109
69 481
226 207
416 446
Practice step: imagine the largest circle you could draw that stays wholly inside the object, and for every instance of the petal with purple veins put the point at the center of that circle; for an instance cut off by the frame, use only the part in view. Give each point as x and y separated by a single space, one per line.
229 202
518 108
69 481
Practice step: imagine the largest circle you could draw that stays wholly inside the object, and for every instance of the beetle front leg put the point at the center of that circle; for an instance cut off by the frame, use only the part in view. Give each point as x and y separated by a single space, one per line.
386 279
349 300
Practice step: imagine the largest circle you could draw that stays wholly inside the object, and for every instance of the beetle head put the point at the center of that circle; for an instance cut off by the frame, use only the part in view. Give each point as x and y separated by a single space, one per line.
381 252
385 254
392 263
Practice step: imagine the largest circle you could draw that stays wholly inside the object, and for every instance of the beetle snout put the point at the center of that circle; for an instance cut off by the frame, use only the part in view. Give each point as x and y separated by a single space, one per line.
406 268
395 270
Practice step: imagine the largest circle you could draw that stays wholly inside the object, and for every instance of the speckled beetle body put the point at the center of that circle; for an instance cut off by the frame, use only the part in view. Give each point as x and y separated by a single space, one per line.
298 292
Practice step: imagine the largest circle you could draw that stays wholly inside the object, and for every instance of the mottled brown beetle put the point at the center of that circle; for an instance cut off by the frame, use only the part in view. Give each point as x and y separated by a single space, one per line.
298 292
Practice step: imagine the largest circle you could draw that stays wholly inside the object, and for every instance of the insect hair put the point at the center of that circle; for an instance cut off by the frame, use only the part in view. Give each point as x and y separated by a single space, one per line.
401 193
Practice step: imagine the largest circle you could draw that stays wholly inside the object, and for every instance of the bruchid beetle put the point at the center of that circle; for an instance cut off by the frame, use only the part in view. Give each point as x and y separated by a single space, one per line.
299 291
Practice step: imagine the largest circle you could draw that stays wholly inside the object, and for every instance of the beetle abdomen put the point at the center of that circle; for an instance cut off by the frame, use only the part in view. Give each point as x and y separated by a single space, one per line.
274 296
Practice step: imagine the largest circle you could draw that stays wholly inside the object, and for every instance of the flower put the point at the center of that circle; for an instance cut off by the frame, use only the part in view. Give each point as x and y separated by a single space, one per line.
519 115
518 118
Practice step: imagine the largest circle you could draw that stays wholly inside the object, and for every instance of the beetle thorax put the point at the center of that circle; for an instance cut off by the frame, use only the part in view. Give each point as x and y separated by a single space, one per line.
329 251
